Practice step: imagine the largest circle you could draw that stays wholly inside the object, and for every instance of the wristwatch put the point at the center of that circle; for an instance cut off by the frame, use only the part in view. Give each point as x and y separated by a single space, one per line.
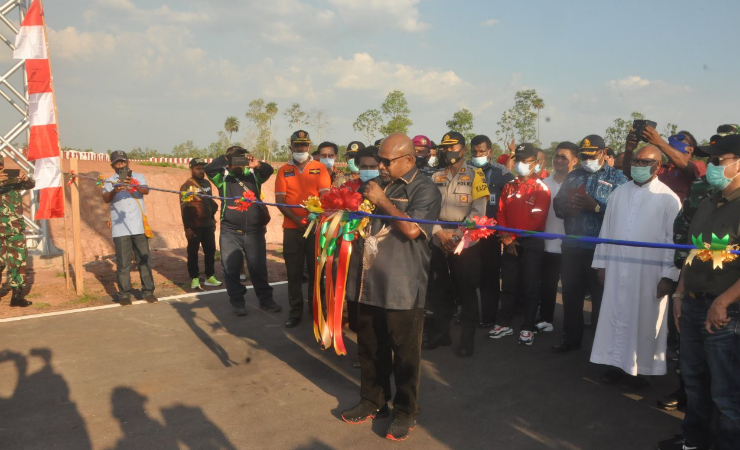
597 209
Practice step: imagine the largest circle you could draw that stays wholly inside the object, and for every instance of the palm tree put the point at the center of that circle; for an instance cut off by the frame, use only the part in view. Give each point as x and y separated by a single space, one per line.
271 109
538 104
231 125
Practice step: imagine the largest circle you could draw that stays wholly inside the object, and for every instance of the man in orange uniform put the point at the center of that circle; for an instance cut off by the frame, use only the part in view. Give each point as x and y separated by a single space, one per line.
300 178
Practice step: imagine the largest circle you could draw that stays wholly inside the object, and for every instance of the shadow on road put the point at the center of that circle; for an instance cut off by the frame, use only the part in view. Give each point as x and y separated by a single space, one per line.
39 398
186 425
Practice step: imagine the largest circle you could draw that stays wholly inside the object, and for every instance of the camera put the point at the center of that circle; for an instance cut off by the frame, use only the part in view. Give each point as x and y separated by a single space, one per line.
123 174
239 161
639 126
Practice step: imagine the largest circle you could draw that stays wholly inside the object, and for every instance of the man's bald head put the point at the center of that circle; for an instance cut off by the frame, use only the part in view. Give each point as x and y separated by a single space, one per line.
649 152
393 149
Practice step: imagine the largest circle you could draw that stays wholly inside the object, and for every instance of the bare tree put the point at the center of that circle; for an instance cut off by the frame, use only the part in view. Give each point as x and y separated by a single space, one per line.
320 120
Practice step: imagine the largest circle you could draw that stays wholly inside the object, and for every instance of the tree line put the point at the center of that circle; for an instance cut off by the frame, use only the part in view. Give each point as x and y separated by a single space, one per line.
520 122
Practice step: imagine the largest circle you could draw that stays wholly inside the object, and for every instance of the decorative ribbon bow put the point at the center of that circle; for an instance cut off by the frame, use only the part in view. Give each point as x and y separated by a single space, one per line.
718 251
471 232
100 180
133 186
336 229
72 177
243 203
189 195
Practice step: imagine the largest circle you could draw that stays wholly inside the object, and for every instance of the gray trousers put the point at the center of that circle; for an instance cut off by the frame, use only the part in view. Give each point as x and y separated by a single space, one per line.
234 248
139 245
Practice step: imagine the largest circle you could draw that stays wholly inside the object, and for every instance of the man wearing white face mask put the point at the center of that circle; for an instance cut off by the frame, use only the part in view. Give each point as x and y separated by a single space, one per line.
582 202
524 205
327 157
297 180
497 176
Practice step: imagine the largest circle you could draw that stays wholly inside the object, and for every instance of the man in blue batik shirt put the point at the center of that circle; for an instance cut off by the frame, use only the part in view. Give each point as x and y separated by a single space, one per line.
581 202
497 175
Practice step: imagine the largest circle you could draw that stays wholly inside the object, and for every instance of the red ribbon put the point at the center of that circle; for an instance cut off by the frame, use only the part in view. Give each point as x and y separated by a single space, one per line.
243 204
72 178
341 199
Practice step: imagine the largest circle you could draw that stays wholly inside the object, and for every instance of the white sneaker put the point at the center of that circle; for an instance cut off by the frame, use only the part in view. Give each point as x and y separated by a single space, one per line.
526 337
544 326
499 332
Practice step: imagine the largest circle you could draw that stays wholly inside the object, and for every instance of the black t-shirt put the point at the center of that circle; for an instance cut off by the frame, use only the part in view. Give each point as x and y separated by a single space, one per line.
720 217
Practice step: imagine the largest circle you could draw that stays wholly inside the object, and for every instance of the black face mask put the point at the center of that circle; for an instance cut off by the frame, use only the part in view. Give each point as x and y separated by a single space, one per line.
421 161
447 158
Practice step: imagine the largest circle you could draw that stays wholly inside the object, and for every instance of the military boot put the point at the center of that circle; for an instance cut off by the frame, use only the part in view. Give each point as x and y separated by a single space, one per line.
17 299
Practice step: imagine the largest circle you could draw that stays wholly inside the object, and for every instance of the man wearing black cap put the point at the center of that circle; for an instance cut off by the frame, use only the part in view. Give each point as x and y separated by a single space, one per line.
524 205
127 227
581 202
464 195
707 312
200 225
352 149
296 181
243 232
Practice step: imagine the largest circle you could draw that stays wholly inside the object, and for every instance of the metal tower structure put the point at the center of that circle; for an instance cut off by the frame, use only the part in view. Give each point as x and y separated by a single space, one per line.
13 88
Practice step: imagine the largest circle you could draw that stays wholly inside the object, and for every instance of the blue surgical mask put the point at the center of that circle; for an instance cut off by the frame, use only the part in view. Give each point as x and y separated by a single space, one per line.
352 166
369 174
328 162
641 174
480 161
591 165
716 176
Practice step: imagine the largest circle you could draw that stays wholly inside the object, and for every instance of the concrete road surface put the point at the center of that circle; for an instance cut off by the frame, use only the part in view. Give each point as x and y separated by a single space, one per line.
187 374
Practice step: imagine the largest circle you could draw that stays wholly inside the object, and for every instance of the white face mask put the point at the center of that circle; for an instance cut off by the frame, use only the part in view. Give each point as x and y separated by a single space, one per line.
523 169
432 161
591 165
328 162
480 161
300 157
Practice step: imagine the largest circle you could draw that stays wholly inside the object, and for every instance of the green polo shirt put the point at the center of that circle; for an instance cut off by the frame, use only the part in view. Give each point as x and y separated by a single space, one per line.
719 216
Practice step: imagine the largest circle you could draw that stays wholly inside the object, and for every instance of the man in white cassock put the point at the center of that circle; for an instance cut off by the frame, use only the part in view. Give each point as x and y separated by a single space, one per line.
632 328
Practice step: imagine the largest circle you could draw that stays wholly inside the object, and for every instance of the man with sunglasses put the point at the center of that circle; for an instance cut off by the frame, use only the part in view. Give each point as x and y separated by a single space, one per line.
681 170
632 325
581 202
464 195
707 312
389 281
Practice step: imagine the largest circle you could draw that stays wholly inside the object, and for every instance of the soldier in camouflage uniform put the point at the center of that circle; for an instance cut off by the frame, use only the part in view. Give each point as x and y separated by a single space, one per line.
12 239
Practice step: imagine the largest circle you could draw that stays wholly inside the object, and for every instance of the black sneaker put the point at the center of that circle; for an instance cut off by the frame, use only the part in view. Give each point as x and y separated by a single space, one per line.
362 411
400 428
17 300
270 306
677 442
151 298
124 301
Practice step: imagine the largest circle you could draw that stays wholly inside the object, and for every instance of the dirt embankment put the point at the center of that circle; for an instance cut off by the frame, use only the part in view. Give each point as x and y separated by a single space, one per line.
162 210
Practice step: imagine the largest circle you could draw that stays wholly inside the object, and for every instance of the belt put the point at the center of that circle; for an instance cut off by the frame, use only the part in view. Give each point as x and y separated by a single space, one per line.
702 296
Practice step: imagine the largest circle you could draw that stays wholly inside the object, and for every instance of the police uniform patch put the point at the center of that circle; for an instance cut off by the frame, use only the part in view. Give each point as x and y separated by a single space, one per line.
440 178
464 199
462 170
314 171
288 173
354 147
464 178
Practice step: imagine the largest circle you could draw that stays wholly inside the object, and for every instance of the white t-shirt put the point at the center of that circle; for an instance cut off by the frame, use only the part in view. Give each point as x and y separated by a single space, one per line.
553 224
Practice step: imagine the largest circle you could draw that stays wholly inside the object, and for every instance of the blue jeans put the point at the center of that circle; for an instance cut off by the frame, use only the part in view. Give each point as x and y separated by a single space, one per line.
710 366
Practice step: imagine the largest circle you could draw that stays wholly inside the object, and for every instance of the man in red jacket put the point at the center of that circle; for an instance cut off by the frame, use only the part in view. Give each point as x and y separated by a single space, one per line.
524 205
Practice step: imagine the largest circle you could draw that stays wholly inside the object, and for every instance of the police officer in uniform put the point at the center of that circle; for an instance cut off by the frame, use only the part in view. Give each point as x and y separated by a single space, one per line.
464 195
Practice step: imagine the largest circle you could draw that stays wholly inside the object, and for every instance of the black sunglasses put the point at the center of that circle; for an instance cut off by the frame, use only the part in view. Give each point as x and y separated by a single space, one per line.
643 162
387 162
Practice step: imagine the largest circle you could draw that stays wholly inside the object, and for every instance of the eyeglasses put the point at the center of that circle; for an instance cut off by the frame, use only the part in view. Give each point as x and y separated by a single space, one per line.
643 162
387 162
719 161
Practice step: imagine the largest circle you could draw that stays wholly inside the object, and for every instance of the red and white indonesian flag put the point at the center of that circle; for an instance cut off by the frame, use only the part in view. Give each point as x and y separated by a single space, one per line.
43 145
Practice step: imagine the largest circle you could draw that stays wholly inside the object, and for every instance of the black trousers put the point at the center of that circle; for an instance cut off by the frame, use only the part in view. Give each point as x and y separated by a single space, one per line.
298 251
137 244
389 343
578 278
234 248
206 237
455 274
525 266
551 263
490 278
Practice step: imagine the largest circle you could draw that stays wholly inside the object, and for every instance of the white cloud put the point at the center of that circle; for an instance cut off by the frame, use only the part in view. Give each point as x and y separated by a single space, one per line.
362 72
402 15
635 83
164 14
71 44
489 23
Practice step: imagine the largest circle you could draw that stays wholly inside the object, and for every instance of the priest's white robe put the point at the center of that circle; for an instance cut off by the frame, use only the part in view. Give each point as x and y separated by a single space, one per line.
633 323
